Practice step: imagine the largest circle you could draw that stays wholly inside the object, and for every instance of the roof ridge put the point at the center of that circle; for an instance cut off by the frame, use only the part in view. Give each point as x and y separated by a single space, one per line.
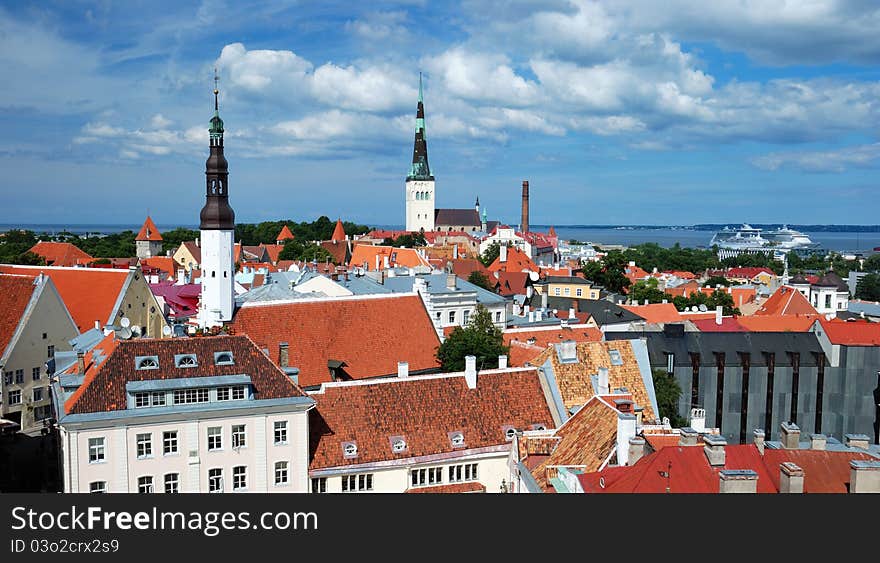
422 377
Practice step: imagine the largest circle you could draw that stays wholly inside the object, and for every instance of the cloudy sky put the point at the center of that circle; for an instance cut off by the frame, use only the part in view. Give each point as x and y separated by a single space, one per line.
625 111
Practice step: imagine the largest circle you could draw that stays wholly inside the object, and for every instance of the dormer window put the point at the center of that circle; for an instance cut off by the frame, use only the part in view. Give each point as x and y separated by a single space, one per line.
349 450
186 361
146 362
457 439
223 358
398 444
616 360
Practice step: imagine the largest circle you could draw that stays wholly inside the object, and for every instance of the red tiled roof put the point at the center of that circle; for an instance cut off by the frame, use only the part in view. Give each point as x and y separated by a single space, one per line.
824 471
338 250
60 253
162 263
656 312
423 410
89 293
517 261
728 324
464 267
856 333
688 469
369 334
149 231
273 250
195 250
15 294
104 389
285 234
364 255
509 283
786 301
681 274
338 232
659 441
778 323
747 272
526 345
472 487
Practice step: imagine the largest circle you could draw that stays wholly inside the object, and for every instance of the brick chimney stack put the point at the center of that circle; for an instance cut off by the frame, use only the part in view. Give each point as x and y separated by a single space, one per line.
524 225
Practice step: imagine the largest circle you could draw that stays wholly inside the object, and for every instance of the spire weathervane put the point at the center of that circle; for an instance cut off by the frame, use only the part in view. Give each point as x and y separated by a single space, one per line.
216 89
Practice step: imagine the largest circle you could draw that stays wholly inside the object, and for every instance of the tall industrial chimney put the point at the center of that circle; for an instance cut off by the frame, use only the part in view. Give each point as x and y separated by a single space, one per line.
524 225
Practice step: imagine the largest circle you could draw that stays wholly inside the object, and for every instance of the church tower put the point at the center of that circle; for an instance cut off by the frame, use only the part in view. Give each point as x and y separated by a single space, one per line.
217 232
419 182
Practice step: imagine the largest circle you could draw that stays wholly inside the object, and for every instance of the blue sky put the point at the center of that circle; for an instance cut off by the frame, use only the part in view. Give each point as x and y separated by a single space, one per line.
629 112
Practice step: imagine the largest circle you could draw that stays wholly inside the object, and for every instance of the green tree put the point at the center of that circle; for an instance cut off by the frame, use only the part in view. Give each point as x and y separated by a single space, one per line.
490 254
609 273
868 288
479 338
872 263
646 290
407 241
668 392
171 240
716 281
305 251
479 278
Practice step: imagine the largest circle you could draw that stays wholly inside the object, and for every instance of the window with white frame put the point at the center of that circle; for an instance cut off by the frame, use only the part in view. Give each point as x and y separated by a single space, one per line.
579 292
238 436
215 480
145 484
281 476
172 483
462 473
238 392
426 476
239 478
452 316
466 316
190 396
15 397
319 484
280 432
567 291
154 399
35 374
169 442
38 394
19 376
98 487
215 438
96 450
356 483
144 445
497 316
556 291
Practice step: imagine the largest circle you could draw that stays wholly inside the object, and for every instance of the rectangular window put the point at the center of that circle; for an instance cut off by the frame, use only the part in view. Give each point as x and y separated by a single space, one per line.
19 376
144 445
497 316
215 438
426 476
579 292
281 473
466 317
172 483
145 484
35 374
435 475
417 477
462 473
169 442
157 399
231 393
452 316
14 397
238 436
568 291
7 377
319 485
239 478
38 394
189 396
238 393
352 483
215 480
365 482
827 304
98 487
556 291
438 315
280 432
154 399
616 359
50 351
96 450
223 393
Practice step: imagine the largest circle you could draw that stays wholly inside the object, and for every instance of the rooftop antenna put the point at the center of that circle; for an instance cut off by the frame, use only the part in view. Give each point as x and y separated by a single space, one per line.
216 89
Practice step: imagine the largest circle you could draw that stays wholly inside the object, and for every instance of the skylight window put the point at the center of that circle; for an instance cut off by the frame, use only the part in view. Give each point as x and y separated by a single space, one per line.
398 445
146 362
349 450
223 358
457 439
616 360
186 361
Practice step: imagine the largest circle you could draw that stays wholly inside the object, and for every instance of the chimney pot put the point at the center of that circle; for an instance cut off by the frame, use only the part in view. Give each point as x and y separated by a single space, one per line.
864 476
713 447
790 436
719 310
470 371
688 436
698 419
856 441
283 359
502 361
636 450
737 481
604 383
759 440
80 362
402 369
818 441
450 281
791 478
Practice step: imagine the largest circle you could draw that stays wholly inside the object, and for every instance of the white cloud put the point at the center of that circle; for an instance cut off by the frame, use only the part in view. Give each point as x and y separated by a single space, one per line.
481 77
159 121
838 160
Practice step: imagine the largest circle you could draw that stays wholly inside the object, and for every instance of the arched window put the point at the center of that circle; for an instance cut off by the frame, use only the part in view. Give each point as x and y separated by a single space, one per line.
147 363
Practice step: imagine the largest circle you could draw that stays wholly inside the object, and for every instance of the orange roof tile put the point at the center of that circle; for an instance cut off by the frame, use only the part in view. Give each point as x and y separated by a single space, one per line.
656 312
92 361
284 235
366 256
89 293
464 267
104 390
852 333
338 251
786 301
824 471
777 323
273 250
517 261
423 410
338 232
527 344
60 253
509 283
472 487
370 334
162 263
15 294
149 231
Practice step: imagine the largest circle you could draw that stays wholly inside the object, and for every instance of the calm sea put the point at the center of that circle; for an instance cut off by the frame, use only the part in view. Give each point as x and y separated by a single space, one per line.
668 236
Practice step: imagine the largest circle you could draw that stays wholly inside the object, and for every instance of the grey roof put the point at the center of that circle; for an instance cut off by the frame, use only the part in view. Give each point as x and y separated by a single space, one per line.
603 312
437 286
466 217
832 280
799 279
363 285
732 344
870 308
186 383
566 279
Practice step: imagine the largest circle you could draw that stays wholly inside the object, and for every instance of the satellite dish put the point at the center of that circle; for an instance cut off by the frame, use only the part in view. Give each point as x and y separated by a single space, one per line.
695 308
124 333
136 330
107 331
703 308
534 276
125 322
166 330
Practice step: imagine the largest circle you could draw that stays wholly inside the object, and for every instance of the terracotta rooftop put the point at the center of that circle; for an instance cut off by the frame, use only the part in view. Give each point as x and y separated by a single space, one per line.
367 256
778 323
464 267
104 389
338 249
575 382
338 232
273 250
89 293
517 261
60 253
149 232
472 487
509 283
162 263
370 334
285 234
786 301
656 312
15 294
855 333
824 471
530 343
424 411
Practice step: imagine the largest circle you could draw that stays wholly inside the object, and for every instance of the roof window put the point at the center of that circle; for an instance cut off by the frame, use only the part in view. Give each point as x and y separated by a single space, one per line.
616 360
186 361
349 450
457 439
146 362
509 432
223 358
398 444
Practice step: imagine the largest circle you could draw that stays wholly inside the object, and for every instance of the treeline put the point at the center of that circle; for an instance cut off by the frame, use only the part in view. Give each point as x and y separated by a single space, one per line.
320 229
